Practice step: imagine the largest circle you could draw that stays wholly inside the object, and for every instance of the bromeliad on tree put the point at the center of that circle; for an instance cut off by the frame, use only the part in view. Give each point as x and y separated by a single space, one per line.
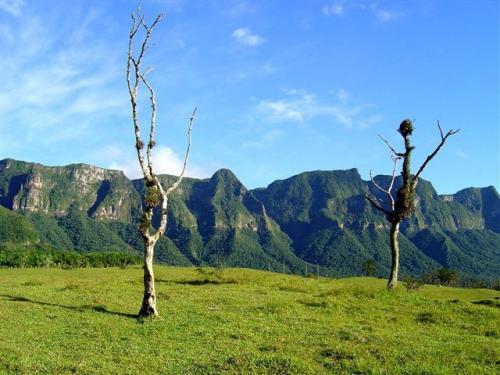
155 195
402 206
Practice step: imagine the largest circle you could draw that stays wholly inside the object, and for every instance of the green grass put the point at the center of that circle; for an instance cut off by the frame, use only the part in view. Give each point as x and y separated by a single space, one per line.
240 321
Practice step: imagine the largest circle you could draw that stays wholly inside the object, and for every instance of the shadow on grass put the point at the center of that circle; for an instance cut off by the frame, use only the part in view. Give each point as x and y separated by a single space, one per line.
487 302
96 308
199 281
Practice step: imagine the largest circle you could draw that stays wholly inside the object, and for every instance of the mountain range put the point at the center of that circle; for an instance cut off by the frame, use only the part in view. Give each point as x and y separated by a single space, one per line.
316 221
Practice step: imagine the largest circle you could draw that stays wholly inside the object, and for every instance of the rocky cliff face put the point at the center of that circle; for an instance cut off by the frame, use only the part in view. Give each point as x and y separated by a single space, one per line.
102 193
320 218
484 202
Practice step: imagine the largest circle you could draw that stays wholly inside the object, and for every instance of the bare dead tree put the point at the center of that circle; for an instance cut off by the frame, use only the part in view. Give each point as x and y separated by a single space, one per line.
402 206
156 195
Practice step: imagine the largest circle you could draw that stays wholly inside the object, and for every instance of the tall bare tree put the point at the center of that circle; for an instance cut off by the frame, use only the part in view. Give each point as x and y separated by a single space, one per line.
402 206
156 195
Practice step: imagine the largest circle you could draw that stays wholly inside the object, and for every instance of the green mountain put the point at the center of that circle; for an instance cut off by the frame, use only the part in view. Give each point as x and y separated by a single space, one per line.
313 220
330 222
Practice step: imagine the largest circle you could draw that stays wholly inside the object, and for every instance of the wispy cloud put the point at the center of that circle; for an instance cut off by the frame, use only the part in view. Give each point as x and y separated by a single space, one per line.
332 10
382 15
245 36
13 7
301 106
52 78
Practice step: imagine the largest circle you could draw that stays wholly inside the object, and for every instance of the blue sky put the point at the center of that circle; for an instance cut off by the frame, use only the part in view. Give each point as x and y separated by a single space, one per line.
281 86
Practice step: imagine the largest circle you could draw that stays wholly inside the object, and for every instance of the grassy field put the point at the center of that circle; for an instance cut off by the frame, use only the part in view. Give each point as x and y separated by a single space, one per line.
240 321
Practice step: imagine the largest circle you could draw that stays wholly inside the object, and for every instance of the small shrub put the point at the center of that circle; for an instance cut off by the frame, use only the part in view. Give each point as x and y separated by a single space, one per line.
412 284
369 267
442 276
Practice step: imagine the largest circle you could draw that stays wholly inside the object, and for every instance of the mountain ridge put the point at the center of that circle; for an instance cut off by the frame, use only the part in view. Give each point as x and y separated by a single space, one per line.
315 218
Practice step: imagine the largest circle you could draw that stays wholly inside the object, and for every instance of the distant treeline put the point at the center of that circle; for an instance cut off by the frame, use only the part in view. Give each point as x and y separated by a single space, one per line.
446 277
20 256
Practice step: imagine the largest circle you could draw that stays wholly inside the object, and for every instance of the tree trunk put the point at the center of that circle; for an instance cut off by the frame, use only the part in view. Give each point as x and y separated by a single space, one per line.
148 308
393 278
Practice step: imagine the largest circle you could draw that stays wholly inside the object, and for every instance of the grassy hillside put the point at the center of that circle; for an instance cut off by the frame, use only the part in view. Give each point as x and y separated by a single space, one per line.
240 321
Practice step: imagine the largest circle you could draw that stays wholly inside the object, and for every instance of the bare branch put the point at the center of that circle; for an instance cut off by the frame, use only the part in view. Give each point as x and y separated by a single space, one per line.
181 176
151 143
133 91
444 137
376 185
164 194
390 147
388 191
149 30
440 130
137 22
376 205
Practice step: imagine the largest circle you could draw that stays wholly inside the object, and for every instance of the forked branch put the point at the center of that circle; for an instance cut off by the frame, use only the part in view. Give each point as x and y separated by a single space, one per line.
133 88
388 191
136 76
444 137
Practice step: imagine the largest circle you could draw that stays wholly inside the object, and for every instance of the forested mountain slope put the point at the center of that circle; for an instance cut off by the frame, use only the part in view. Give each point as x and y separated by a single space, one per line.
315 219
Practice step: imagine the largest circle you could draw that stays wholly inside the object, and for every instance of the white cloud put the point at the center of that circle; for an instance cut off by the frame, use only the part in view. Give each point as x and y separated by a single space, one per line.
332 10
245 36
165 161
13 7
300 106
